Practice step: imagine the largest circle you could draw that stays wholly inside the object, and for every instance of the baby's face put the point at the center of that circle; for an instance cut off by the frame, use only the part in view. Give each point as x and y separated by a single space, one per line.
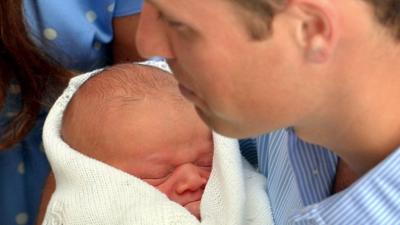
165 145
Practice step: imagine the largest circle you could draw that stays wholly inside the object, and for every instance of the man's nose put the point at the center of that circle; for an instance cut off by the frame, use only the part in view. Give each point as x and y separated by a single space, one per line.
151 38
192 179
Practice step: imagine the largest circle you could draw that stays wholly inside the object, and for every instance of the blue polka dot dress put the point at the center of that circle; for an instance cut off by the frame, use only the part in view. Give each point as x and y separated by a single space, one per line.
23 169
78 34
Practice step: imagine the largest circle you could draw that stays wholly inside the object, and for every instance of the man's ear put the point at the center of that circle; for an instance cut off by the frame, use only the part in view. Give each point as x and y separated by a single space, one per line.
316 28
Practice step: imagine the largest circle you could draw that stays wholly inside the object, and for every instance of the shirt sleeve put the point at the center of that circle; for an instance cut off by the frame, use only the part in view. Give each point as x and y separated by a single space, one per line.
127 7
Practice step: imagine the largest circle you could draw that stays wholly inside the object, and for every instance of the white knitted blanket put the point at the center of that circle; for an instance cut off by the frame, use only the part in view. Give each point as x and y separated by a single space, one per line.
89 192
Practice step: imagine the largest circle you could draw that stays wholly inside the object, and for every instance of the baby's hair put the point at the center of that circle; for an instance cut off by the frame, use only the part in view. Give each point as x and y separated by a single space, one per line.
116 87
131 82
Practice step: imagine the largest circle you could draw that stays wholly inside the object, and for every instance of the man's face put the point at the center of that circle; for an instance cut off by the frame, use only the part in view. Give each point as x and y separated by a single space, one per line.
240 87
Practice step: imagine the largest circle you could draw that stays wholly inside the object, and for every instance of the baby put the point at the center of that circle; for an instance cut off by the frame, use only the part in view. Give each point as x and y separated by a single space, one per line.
127 148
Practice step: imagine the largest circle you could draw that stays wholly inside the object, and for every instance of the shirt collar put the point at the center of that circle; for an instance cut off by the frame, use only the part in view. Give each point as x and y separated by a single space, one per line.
377 191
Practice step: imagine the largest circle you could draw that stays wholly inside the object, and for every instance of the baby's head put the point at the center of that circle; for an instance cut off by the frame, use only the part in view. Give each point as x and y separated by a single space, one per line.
133 117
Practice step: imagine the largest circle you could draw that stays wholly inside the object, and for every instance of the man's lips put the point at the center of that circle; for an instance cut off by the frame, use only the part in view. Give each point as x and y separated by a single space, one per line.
190 95
199 104
187 93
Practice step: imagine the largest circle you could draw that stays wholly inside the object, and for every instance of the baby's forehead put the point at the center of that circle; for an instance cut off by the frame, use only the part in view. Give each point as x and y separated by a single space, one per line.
128 88
111 112
124 82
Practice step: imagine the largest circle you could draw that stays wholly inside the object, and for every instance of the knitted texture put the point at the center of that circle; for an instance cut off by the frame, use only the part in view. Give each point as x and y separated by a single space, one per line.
90 192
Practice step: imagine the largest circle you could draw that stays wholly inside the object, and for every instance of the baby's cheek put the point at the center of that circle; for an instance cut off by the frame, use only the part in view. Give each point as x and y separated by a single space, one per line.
160 184
166 187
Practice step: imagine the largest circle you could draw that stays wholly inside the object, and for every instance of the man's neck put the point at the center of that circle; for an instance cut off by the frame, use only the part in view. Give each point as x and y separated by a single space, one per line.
344 177
362 122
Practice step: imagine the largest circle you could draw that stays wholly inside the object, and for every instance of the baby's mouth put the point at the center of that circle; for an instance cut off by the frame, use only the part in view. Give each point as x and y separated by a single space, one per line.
194 201
194 208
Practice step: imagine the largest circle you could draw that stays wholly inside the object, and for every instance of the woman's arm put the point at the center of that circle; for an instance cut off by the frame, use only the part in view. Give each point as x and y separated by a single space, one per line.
48 190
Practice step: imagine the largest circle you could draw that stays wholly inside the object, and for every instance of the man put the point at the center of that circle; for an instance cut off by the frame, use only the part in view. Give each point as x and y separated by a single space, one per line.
321 71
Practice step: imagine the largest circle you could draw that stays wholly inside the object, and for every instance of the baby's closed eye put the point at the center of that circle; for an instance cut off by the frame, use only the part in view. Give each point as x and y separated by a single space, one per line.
156 181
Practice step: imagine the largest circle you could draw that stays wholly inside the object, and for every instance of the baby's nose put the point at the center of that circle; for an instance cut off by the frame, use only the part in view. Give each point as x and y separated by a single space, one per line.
191 178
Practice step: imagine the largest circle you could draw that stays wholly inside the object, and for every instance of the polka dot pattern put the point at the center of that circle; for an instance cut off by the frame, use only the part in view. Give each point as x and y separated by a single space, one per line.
21 168
54 29
97 45
50 34
22 218
91 16
111 7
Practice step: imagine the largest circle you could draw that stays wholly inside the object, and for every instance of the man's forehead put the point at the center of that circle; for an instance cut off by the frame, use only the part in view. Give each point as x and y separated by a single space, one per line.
160 2
166 6
179 3
189 9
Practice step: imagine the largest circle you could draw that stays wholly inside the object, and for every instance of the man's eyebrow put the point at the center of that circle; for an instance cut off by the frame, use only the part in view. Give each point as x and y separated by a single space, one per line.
163 9
161 5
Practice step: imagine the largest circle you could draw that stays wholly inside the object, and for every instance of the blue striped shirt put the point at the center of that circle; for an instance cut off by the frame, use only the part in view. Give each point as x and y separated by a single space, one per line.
300 178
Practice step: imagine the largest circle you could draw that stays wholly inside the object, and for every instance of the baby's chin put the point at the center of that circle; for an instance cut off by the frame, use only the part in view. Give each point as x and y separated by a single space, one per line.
194 208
